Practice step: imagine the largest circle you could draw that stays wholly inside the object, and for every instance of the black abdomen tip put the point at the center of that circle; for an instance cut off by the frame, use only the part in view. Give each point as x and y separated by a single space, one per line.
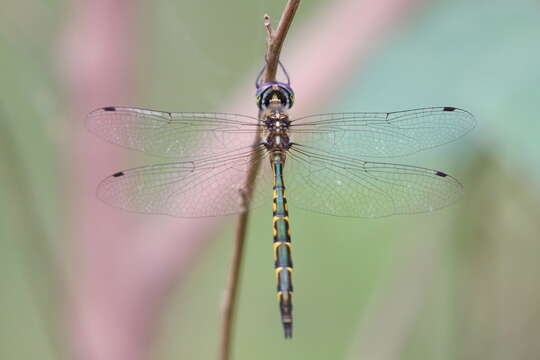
449 108
109 108
118 174
287 327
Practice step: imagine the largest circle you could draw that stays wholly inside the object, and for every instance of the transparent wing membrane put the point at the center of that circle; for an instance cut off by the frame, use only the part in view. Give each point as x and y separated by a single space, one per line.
342 186
322 171
190 189
179 135
374 134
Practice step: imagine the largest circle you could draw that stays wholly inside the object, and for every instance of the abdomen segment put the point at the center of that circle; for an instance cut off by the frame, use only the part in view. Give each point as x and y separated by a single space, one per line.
282 247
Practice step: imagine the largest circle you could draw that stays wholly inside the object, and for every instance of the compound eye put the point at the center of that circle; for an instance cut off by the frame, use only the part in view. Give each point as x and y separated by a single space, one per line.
268 92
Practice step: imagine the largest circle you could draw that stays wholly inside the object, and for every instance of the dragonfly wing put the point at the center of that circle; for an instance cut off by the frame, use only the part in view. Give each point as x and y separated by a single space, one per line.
341 186
185 135
189 189
375 134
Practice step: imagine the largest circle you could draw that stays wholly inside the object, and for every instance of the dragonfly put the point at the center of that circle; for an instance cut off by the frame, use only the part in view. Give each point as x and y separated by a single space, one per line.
321 158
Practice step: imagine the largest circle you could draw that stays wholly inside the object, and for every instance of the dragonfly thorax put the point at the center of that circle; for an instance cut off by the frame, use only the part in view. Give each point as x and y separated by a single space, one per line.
277 124
277 142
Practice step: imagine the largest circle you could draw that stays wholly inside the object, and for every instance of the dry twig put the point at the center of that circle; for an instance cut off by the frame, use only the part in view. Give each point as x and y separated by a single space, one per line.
275 41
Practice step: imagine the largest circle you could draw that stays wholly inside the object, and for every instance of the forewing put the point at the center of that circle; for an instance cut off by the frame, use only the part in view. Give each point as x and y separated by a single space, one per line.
375 134
189 189
179 135
341 186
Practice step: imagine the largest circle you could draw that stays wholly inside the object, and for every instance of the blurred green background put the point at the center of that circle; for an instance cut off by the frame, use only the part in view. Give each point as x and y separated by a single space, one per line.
460 283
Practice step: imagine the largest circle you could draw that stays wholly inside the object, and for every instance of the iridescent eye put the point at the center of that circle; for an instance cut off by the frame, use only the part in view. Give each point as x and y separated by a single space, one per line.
269 91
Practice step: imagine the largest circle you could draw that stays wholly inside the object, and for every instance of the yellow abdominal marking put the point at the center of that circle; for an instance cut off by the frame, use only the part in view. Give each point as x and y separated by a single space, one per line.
277 245
276 218
280 269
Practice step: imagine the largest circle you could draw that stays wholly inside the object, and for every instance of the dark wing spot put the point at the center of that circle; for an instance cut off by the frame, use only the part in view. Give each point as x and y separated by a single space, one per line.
441 174
449 108
118 174
109 108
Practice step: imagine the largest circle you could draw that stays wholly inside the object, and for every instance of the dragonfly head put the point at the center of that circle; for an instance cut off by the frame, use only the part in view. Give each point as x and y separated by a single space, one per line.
274 94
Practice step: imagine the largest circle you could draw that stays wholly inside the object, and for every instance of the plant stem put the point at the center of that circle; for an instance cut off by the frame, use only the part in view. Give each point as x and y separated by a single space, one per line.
275 41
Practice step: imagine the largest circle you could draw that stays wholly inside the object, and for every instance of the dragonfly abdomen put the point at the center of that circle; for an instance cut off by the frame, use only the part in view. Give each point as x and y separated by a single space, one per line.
282 245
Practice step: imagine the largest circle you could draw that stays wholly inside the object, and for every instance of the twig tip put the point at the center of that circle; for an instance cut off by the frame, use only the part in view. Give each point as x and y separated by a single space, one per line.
268 26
